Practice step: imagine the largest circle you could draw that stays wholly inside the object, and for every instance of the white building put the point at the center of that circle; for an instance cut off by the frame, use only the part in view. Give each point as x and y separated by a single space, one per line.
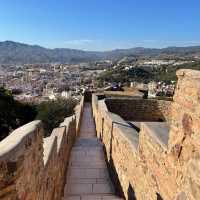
66 94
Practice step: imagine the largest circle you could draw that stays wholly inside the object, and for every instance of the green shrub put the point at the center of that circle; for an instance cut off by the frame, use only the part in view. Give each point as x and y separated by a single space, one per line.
52 113
13 113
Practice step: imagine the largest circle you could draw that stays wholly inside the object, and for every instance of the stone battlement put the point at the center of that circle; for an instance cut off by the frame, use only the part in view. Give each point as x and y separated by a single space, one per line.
33 167
158 160
140 109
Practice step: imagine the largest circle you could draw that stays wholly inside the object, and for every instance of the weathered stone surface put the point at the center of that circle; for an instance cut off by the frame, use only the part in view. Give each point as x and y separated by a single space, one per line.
140 109
33 168
160 167
181 196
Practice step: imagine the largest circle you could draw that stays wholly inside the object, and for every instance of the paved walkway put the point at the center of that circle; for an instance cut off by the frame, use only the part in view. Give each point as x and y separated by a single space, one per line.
87 177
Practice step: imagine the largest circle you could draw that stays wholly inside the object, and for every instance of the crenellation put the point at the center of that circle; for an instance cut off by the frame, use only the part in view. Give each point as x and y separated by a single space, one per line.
140 109
49 146
60 133
19 140
166 163
78 114
33 167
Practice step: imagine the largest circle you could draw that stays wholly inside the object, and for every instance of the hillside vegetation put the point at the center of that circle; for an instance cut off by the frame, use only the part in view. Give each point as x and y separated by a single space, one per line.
15 114
18 53
161 73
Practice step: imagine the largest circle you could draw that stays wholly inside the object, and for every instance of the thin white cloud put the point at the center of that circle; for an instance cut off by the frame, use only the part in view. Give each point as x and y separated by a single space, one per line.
165 43
79 42
150 41
105 45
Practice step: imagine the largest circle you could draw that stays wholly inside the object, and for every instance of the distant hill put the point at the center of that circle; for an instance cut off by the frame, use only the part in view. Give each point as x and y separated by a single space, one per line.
18 53
140 51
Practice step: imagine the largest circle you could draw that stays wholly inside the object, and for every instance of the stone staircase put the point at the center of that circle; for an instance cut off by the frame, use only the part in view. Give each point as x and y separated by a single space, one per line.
87 177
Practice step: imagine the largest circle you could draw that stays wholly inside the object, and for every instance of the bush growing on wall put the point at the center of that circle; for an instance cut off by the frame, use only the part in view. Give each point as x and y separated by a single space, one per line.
52 113
13 113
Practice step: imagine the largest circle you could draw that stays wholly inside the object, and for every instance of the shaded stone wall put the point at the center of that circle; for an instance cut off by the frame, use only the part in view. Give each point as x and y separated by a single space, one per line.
149 165
33 167
140 109
78 114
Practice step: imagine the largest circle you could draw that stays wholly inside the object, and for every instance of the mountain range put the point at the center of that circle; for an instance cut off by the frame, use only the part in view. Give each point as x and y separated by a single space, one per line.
19 53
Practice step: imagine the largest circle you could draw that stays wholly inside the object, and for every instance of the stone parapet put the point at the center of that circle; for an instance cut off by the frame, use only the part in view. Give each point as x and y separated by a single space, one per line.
78 114
140 109
33 167
184 140
160 160
137 160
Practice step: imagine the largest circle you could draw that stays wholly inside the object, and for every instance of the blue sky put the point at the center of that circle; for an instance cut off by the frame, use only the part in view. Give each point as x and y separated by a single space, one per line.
101 24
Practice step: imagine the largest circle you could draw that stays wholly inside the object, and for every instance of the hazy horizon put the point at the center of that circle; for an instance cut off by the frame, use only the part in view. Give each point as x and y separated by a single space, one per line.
34 44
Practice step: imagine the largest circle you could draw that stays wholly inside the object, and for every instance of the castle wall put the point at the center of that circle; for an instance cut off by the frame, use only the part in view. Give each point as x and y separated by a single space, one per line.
184 141
78 114
121 148
140 109
21 163
162 160
33 167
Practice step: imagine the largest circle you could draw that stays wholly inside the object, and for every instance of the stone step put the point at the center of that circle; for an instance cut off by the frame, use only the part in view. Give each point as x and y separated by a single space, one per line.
87 173
92 197
88 188
89 180
87 152
91 142
87 158
87 164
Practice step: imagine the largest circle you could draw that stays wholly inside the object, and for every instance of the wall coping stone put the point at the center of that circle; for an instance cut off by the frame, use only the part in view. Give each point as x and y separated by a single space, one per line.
130 135
126 131
103 105
26 156
59 133
17 137
67 121
188 72
158 131
48 145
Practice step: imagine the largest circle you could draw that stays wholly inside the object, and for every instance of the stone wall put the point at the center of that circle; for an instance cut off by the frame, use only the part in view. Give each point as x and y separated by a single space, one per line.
78 114
161 161
33 167
184 141
140 109
121 147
